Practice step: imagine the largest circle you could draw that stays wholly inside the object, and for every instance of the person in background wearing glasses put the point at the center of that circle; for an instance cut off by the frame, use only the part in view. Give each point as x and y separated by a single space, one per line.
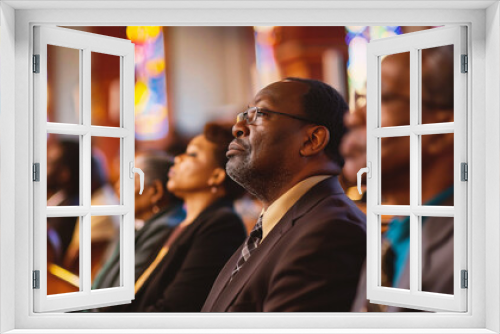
306 250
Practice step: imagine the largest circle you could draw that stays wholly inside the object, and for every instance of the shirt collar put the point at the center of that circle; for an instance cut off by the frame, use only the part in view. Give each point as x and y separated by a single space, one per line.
280 207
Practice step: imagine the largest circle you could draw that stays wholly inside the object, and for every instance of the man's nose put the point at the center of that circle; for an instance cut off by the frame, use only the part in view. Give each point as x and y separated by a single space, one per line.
240 129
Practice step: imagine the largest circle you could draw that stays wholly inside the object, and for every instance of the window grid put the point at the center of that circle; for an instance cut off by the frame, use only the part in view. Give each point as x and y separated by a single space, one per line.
415 298
86 43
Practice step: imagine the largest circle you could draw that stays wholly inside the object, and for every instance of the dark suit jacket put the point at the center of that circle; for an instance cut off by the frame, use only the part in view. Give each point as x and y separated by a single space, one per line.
309 262
182 280
148 241
437 265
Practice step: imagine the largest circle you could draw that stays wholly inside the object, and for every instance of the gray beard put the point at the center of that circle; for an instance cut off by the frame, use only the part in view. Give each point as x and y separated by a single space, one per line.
265 185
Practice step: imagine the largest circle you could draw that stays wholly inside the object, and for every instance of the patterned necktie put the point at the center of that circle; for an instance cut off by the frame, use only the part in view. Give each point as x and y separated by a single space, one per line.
250 245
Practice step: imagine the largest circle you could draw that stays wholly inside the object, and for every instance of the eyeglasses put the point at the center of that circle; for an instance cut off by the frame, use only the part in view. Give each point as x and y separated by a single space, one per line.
251 114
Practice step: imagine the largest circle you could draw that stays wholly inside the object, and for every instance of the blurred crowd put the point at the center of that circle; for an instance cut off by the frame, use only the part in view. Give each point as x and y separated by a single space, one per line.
251 217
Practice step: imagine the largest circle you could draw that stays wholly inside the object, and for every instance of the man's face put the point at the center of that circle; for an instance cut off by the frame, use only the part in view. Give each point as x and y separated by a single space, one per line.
265 153
395 111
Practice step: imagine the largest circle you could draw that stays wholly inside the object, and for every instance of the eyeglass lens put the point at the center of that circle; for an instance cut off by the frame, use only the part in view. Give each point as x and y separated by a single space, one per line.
250 115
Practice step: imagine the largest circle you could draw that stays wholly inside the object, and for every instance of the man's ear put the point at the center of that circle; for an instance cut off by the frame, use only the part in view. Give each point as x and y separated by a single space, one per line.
315 141
157 190
218 176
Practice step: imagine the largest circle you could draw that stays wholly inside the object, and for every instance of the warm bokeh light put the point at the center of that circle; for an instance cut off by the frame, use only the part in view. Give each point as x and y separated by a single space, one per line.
142 34
266 68
151 113
357 39
141 96
156 67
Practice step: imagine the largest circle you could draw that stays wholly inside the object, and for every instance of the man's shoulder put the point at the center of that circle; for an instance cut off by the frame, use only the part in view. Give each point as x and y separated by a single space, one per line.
335 208
328 202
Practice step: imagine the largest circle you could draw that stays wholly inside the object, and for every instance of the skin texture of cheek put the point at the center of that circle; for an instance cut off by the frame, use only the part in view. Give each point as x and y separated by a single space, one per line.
189 180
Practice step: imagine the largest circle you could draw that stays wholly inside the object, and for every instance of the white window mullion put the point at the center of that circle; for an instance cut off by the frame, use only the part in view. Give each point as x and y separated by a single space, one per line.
85 156
104 131
68 129
127 154
419 210
108 210
422 129
373 272
414 252
433 129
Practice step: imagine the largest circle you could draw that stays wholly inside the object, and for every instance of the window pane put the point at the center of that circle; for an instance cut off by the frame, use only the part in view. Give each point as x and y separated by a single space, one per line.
395 170
63 170
62 255
395 90
105 89
63 85
105 171
437 254
437 84
437 169
105 251
395 255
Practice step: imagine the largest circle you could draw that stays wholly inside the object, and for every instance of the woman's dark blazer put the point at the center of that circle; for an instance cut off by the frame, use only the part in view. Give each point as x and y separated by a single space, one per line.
182 280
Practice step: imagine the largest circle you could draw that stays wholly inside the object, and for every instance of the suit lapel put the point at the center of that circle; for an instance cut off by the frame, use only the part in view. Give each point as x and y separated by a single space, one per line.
231 290
223 292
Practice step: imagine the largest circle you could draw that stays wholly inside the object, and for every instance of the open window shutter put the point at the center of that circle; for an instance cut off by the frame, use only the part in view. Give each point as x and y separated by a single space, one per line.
83 131
414 297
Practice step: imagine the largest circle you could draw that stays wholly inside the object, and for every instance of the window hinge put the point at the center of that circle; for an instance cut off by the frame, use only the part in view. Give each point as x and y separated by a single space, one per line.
36 172
36 279
465 64
464 171
465 279
36 63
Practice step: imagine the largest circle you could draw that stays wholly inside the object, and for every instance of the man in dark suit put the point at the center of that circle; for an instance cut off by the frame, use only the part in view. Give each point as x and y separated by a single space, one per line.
306 251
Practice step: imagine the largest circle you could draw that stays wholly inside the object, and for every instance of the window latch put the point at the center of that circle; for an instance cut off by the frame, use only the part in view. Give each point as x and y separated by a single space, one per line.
368 171
133 170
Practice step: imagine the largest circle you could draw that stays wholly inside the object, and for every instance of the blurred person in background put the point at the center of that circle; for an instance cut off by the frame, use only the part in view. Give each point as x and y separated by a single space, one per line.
63 184
183 271
437 157
104 229
157 209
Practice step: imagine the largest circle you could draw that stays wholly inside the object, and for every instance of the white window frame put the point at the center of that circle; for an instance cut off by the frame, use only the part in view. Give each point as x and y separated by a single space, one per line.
413 44
84 43
483 21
